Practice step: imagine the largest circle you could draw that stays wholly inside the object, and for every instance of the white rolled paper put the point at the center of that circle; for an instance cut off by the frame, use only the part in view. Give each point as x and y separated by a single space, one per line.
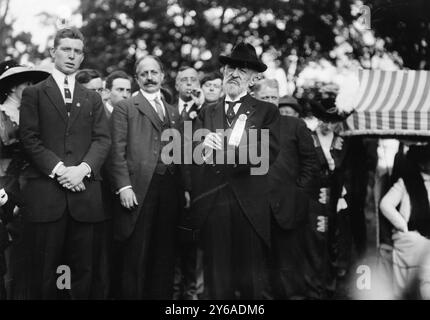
237 132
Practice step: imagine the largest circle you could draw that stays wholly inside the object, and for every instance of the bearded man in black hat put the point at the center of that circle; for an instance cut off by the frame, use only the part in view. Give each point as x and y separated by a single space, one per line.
232 205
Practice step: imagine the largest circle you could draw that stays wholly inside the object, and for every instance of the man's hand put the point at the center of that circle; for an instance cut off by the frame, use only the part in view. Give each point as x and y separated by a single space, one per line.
187 200
72 176
198 99
213 141
79 187
323 196
403 227
60 170
128 198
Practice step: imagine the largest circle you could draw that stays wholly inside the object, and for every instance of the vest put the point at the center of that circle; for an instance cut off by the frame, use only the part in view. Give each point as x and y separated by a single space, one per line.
161 168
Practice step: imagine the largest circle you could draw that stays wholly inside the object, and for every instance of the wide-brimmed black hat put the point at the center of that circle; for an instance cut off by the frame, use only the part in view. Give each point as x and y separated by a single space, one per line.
243 55
20 74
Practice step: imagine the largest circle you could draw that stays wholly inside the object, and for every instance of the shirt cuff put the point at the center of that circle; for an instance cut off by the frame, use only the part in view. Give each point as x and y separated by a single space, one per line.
123 188
52 175
89 169
207 156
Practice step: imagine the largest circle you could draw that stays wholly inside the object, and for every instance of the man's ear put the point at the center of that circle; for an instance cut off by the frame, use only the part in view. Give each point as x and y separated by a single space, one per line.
52 51
255 77
82 58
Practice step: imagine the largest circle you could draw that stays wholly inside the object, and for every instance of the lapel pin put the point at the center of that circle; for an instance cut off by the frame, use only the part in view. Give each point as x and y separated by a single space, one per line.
247 112
78 104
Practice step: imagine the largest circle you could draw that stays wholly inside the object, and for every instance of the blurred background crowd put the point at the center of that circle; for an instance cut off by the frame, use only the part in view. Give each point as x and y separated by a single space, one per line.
309 47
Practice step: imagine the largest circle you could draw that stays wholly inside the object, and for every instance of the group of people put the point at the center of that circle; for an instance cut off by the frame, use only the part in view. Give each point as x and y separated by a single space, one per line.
86 183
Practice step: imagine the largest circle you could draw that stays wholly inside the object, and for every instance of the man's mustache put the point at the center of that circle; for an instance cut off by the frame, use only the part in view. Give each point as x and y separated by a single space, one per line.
150 82
233 80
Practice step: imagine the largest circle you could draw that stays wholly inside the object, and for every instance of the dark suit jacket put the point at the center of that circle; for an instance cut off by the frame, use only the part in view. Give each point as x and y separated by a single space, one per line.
192 108
136 138
292 173
251 191
48 136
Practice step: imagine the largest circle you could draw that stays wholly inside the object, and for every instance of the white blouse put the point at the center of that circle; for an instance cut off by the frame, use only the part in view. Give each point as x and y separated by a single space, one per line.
398 195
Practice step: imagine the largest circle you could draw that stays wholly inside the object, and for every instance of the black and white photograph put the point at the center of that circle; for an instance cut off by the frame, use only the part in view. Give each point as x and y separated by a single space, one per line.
236 153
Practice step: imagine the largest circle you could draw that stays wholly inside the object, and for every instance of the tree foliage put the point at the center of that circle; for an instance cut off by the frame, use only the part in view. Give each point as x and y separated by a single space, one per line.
405 27
195 32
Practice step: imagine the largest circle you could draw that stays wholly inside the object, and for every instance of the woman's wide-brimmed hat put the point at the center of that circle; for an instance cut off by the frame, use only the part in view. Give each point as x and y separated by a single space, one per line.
7 64
20 74
245 56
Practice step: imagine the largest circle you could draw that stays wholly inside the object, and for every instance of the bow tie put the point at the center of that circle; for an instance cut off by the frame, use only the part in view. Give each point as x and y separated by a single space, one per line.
234 102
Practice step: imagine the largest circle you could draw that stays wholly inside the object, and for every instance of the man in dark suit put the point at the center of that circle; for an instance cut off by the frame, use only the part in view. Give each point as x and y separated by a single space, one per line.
232 201
118 86
190 95
190 100
290 180
149 189
65 133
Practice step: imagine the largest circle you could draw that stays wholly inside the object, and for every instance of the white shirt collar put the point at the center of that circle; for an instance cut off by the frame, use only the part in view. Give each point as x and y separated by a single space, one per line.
59 80
237 105
108 106
240 96
151 97
181 105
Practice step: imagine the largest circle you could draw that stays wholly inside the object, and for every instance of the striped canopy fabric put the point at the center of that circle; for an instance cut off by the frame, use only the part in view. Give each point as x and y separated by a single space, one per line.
391 103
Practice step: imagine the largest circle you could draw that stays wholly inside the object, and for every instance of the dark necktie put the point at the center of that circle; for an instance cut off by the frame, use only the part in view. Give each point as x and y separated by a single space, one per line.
184 114
230 111
67 96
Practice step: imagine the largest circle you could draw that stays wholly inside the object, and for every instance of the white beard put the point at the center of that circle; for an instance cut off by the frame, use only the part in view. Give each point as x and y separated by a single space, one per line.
233 90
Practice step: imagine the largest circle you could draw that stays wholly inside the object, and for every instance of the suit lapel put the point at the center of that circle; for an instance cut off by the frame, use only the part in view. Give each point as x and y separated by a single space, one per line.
172 113
247 107
218 116
53 92
78 97
146 108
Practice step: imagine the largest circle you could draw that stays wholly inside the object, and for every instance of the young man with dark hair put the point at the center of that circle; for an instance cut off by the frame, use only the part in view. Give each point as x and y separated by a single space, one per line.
118 85
65 133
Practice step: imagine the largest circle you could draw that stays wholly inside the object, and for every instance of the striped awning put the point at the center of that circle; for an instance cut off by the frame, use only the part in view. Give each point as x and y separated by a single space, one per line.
391 103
